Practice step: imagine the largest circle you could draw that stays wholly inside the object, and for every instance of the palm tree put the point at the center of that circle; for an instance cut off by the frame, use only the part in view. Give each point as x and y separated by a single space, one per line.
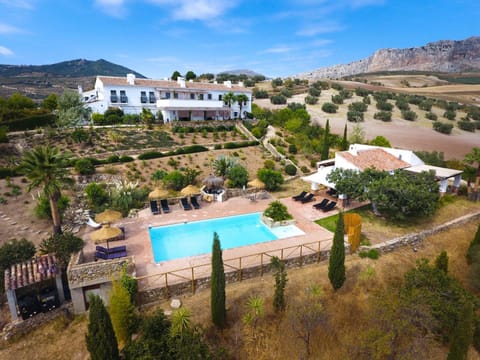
474 157
45 167
242 100
229 99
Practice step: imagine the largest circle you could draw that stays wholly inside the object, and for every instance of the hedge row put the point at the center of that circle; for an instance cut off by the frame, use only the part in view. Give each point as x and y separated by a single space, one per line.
30 122
180 151
8 172
236 145
110 160
192 129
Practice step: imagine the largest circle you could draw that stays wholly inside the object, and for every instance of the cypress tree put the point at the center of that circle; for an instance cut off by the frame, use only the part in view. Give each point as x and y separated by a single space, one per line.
462 335
217 281
101 341
344 144
441 262
472 248
280 283
336 265
326 141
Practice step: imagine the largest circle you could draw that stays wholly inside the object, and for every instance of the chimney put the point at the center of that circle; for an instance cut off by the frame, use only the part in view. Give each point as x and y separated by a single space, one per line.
240 83
80 89
181 81
131 79
227 83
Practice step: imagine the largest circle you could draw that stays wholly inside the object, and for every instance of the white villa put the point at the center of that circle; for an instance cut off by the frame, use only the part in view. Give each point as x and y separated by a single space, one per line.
176 100
360 157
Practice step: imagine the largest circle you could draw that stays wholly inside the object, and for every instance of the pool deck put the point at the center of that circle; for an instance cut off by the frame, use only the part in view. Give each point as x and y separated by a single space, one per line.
138 240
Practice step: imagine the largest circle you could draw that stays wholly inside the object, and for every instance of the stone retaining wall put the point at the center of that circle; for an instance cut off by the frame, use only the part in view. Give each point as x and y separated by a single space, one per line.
416 238
152 295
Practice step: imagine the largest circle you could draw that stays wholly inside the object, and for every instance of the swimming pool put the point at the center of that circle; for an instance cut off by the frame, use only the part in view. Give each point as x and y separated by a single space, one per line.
195 238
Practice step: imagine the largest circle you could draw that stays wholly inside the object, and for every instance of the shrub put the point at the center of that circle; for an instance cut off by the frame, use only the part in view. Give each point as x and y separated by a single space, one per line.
237 176
125 159
314 92
467 125
329 108
383 115
431 116
269 164
402 105
97 196
271 178
43 211
409 115
236 145
362 92
7 172
257 132
292 149
371 254
277 211
175 180
112 159
62 245
355 116
337 86
260 94
442 127
3 134
287 93
79 135
311 100
85 167
425 105
30 122
337 99
291 169
384 106
278 99
358 106
450 115
12 252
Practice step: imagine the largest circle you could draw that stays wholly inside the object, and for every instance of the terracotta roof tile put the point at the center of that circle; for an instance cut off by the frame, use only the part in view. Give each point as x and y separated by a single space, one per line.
31 272
169 84
375 158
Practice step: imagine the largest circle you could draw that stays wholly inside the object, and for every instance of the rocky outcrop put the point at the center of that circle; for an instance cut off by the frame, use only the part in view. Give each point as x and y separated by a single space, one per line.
441 56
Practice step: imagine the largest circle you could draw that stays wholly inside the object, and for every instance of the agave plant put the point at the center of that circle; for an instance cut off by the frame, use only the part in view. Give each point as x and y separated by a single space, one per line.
222 164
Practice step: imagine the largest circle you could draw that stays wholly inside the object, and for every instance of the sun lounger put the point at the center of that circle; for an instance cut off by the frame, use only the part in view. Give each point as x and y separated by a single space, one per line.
321 204
329 206
299 196
185 204
195 203
115 255
308 198
93 224
111 250
154 207
164 205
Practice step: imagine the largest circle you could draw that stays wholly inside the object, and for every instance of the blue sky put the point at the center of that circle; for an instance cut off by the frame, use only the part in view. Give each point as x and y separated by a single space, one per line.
273 37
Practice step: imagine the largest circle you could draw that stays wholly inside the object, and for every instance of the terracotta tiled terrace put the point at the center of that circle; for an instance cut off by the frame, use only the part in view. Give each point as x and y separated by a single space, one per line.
138 244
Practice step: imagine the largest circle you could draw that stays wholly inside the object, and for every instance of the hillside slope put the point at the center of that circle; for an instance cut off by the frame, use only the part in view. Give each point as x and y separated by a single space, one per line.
449 56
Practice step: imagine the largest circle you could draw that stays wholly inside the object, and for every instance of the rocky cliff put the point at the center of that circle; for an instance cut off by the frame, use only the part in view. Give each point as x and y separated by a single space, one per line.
440 56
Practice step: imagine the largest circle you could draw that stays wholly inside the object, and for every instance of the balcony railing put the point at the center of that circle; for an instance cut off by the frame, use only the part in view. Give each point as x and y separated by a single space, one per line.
113 98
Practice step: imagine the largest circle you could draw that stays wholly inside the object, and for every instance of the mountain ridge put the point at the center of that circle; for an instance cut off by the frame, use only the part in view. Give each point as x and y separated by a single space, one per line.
70 68
450 56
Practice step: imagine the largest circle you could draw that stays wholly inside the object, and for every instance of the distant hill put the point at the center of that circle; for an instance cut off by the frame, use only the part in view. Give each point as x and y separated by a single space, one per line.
249 73
71 68
38 81
447 56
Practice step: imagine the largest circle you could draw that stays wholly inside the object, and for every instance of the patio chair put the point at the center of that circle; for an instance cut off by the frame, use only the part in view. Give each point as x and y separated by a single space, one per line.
329 206
164 205
299 196
101 255
195 203
185 204
111 250
308 198
154 207
321 204
117 255
93 224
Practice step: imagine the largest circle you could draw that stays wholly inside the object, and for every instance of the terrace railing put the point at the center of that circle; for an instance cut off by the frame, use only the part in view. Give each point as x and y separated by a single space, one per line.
192 278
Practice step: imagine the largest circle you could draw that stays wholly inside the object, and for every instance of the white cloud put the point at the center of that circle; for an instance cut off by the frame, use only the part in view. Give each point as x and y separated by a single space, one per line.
315 29
115 8
321 42
277 50
4 51
21 4
196 9
8 29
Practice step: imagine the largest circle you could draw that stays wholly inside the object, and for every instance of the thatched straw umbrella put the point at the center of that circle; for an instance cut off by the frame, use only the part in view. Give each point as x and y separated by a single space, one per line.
106 233
190 190
108 216
158 194
213 182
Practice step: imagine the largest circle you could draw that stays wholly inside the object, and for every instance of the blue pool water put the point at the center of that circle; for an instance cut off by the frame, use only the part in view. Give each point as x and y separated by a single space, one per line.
195 238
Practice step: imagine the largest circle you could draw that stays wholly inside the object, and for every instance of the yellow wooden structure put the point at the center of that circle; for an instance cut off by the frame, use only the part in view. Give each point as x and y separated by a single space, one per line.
353 228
